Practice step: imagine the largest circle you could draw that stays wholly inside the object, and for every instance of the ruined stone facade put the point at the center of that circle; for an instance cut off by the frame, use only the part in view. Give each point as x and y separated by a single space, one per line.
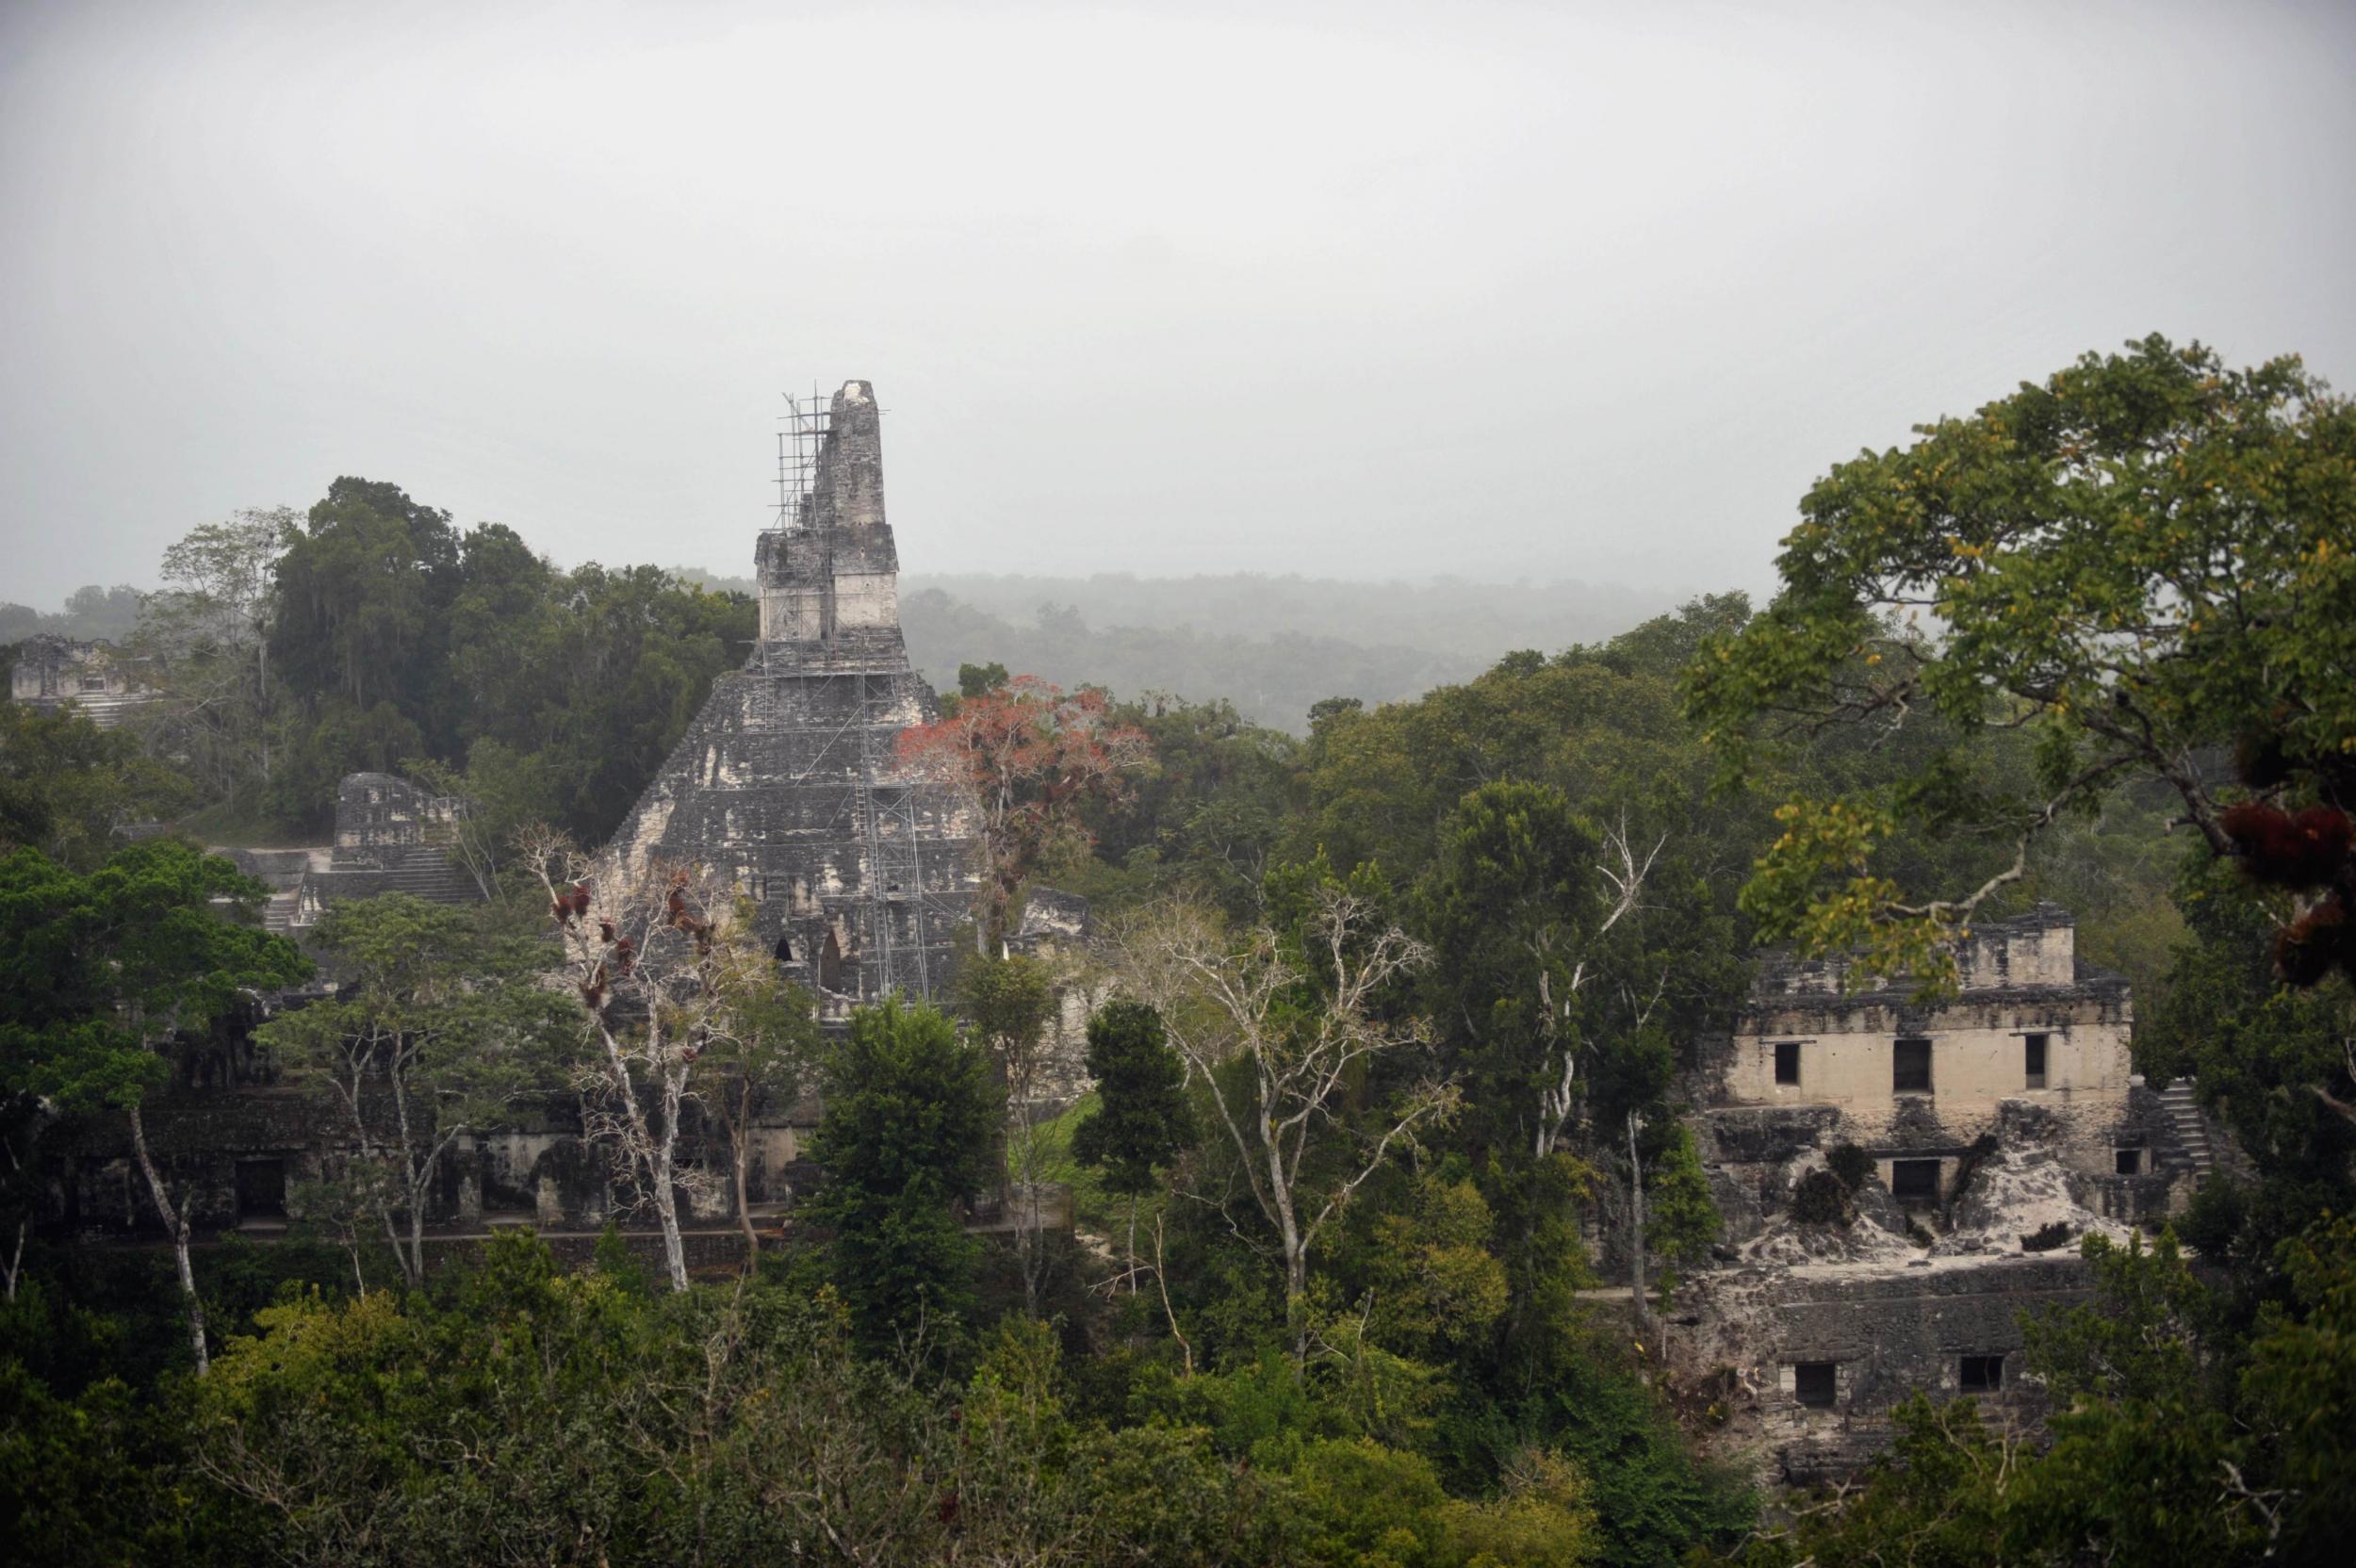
95 676
1917 1085
1977 1137
789 781
391 836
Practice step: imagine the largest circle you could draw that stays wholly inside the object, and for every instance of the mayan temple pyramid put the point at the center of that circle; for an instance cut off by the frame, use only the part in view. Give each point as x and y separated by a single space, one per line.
858 873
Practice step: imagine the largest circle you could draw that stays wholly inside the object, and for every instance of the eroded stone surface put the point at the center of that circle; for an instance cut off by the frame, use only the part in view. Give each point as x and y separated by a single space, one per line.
788 784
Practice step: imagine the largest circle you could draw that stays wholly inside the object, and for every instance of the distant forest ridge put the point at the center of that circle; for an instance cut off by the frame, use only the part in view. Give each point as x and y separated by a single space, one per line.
1271 645
90 614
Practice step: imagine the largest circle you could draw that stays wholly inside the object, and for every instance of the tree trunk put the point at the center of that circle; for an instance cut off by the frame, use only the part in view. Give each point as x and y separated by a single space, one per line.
743 1131
666 1212
1636 1223
1288 1230
666 1194
1029 1232
655 1154
1133 1244
412 1265
176 1220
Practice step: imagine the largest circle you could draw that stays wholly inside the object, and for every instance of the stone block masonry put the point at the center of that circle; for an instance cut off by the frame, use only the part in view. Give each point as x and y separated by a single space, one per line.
787 783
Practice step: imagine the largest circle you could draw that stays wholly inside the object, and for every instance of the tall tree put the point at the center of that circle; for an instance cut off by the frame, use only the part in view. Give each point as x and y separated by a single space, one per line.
434 1015
1009 1000
102 974
364 594
766 1064
1142 1119
1281 1028
205 635
2143 562
662 970
911 1115
1024 759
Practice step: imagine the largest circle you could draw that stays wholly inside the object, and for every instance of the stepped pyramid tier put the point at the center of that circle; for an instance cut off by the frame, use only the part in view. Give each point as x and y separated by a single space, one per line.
391 836
787 783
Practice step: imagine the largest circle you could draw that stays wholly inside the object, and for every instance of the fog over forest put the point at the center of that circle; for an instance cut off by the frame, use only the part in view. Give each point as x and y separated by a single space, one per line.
1271 645
1327 783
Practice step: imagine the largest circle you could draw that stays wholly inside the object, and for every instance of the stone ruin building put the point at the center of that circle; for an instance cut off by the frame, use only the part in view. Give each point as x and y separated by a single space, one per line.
789 780
1979 1137
95 676
391 836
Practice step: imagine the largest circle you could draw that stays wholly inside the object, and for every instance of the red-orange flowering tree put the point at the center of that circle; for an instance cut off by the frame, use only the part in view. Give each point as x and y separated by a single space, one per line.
1023 757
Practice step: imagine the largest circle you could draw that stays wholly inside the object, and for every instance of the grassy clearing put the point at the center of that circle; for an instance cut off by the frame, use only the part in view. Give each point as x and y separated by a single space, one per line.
1094 1210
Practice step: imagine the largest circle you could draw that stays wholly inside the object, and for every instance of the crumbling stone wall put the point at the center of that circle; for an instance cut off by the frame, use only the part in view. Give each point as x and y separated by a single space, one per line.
391 836
249 1156
1922 1245
2032 1025
1886 1331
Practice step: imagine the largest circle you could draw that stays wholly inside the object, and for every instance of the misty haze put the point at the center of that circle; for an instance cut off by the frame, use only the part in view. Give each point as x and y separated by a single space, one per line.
1377 786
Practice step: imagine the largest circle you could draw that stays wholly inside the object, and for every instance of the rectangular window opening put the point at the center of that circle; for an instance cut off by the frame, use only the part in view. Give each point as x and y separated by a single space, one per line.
2130 1162
1914 1181
1786 1061
261 1189
2033 1050
1815 1382
1910 1067
1981 1374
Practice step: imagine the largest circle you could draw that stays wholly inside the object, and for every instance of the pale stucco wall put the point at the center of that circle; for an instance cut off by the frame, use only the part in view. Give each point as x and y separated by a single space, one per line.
1972 1068
2017 979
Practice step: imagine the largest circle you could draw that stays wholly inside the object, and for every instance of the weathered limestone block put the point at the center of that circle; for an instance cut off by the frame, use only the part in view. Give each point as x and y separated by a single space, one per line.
789 783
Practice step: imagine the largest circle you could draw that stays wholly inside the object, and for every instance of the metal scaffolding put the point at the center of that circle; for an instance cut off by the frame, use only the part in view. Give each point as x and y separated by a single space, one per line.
904 929
801 436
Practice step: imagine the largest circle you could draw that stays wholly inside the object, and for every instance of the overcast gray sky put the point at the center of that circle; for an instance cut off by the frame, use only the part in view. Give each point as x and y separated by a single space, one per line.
1502 290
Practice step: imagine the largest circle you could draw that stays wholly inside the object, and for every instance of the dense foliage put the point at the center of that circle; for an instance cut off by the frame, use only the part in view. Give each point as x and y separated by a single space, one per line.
2143 564
372 633
1393 1032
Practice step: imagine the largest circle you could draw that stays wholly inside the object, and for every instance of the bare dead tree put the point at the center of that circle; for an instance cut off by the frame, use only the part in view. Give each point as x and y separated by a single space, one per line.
659 963
1225 1002
1624 870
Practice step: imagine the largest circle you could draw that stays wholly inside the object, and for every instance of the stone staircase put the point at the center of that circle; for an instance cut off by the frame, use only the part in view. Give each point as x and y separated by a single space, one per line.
427 871
2190 1127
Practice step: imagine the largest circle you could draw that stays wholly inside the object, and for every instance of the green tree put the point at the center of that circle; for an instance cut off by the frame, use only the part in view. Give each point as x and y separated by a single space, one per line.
102 974
2271 1062
205 638
438 1019
364 594
1009 999
2143 563
68 788
1435 1284
766 1064
1141 1120
912 1119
